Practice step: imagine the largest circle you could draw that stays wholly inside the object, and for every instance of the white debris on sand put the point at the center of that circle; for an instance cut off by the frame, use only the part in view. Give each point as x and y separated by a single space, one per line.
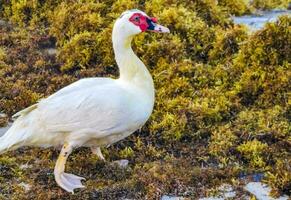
25 166
25 186
2 115
51 51
121 163
261 191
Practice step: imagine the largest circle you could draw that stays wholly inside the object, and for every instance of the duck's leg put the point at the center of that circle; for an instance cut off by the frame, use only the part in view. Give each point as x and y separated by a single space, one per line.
97 152
68 182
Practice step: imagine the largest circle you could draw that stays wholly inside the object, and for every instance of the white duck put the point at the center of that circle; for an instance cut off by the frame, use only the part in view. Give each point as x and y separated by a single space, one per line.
92 112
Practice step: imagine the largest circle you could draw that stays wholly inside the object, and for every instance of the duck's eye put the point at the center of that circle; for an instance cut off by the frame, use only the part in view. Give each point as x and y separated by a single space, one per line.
137 18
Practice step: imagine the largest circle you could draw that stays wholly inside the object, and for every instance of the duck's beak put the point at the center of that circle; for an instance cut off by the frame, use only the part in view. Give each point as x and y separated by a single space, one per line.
160 29
154 27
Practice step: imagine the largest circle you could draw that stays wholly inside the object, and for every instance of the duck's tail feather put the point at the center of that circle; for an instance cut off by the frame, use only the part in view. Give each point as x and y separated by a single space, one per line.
14 138
19 133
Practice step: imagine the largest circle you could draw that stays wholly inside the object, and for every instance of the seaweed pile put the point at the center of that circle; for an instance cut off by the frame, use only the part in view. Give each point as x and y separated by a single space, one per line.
222 96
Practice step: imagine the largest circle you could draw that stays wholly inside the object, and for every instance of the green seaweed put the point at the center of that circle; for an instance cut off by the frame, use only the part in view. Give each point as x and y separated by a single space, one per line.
222 96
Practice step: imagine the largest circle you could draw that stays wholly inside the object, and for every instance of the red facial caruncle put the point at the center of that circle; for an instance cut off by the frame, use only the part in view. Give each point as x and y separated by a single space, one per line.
143 22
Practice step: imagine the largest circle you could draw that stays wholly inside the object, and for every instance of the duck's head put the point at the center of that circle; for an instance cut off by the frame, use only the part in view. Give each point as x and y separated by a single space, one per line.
133 22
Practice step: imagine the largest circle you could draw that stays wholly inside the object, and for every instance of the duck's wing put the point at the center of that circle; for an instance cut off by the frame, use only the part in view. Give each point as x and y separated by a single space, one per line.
106 108
82 83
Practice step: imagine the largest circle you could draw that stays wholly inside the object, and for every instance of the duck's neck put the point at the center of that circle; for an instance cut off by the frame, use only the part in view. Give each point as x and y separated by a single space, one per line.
132 70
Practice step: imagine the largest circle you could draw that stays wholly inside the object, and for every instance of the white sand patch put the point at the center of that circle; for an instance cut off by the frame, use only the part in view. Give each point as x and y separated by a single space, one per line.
166 197
261 191
225 191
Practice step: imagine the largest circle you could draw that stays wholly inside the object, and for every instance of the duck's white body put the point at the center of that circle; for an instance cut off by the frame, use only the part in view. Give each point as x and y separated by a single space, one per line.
91 112
95 112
